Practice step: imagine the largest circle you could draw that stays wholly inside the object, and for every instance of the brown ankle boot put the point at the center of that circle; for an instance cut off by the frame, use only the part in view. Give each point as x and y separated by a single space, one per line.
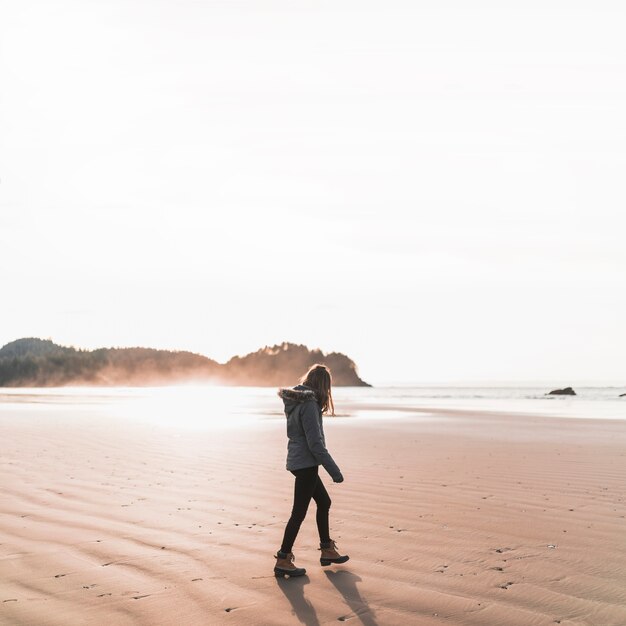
285 567
330 555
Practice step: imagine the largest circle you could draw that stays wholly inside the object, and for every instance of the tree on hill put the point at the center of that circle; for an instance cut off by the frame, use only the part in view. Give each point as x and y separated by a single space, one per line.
32 346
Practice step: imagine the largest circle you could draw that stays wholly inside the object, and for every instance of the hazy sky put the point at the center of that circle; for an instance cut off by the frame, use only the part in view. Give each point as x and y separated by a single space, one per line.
435 188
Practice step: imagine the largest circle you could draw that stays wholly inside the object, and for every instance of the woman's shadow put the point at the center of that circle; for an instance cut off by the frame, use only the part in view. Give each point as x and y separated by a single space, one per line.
345 582
293 588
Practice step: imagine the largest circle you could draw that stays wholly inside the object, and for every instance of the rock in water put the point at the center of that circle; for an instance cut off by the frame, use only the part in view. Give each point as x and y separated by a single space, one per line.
567 391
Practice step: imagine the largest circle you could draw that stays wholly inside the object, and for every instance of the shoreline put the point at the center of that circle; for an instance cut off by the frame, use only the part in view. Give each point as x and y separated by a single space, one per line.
191 400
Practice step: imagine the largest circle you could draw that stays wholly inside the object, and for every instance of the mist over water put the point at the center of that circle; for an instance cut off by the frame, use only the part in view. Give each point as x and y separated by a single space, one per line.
204 407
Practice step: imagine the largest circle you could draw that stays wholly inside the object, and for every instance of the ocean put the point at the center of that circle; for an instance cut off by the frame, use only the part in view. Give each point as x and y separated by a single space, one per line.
204 406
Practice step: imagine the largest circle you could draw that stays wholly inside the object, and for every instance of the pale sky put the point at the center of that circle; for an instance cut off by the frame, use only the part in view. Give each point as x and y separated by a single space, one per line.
436 188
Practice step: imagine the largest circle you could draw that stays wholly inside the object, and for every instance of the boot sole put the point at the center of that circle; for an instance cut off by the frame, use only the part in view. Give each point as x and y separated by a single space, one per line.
281 573
341 559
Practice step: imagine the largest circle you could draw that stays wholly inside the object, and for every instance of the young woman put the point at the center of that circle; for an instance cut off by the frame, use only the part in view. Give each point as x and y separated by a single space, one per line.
306 451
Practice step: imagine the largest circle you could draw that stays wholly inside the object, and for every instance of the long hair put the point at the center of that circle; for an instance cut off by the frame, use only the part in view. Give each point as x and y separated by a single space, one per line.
319 379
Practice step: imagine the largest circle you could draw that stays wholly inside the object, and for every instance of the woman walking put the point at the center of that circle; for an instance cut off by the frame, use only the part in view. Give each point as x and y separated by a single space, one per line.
306 451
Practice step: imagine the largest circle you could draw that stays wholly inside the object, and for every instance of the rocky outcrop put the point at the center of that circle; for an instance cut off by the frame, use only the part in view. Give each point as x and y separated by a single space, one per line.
283 364
566 391
42 363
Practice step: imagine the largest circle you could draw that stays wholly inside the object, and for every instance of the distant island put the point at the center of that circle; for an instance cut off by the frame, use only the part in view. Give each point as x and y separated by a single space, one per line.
33 362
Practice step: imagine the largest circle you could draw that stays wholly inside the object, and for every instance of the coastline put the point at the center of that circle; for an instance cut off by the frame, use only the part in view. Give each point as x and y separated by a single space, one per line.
450 517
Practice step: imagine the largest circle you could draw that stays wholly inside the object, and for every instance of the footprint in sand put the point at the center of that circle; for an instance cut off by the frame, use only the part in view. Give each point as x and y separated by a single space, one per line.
59 575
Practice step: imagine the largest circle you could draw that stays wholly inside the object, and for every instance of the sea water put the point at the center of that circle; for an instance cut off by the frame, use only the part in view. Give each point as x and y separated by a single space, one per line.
200 406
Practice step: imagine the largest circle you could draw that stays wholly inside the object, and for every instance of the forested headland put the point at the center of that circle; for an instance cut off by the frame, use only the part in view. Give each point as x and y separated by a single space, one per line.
33 362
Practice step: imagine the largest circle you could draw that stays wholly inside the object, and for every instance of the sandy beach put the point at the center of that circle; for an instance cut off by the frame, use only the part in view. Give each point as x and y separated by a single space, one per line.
450 517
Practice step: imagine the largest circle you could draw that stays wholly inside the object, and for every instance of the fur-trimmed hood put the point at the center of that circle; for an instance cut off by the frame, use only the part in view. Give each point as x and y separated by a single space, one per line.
296 395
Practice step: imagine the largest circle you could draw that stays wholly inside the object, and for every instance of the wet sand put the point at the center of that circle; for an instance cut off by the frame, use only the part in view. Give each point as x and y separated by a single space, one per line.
449 518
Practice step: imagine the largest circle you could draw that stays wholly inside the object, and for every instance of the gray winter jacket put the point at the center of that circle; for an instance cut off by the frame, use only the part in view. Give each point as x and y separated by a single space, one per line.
307 446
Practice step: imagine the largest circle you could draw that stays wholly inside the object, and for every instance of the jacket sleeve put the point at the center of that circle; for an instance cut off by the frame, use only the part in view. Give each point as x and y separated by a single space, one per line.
311 427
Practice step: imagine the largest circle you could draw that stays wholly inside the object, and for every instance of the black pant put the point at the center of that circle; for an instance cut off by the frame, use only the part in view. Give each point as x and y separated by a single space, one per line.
308 485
